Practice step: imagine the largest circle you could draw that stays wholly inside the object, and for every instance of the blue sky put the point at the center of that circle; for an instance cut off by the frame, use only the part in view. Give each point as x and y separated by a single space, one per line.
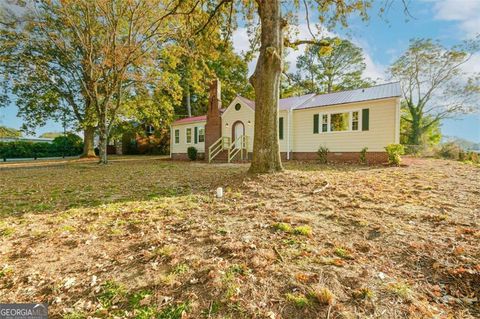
383 39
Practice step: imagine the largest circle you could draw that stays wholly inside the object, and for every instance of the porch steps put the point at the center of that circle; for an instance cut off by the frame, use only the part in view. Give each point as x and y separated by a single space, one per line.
227 151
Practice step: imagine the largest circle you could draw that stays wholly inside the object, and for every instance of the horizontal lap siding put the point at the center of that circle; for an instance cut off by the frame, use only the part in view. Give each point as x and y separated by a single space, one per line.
381 132
183 146
245 114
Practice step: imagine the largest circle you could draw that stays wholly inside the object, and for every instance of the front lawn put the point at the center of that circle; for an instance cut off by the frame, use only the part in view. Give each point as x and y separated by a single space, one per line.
148 239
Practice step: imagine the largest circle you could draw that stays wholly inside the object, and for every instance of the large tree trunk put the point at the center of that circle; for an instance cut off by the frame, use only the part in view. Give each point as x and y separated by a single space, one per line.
266 82
416 132
103 139
187 100
88 144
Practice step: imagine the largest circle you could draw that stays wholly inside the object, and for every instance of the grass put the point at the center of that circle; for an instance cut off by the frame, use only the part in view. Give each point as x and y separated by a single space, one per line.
324 296
298 300
400 289
160 245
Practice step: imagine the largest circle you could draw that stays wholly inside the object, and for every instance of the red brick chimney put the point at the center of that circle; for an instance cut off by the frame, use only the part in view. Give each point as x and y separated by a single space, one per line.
213 128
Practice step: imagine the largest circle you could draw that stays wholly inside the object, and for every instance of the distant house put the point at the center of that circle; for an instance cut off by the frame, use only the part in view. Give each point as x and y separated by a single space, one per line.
27 139
344 122
138 138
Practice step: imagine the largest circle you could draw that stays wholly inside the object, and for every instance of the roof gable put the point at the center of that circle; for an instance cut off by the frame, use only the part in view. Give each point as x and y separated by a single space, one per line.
242 100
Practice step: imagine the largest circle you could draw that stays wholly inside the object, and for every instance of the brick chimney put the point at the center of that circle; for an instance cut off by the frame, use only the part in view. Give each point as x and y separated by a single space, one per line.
213 128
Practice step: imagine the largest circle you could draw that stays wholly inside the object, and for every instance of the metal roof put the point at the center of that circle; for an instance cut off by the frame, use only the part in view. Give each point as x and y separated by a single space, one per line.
284 104
201 118
293 102
382 91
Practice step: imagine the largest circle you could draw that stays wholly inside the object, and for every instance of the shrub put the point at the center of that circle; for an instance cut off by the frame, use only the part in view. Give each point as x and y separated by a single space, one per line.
450 151
192 153
322 154
473 157
363 155
394 151
68 145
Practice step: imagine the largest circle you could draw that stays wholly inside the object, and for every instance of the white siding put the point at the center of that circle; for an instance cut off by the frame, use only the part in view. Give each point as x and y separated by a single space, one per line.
182 146
382 128
246 115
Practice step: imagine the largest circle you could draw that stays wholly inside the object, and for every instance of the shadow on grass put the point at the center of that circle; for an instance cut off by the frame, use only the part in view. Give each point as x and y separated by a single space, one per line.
81 185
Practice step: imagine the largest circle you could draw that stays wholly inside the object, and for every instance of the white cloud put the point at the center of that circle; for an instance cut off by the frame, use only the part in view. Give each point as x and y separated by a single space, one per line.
241 45
473 65
465 12
375 71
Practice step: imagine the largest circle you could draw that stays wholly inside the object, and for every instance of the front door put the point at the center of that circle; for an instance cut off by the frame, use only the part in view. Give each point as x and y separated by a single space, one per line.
238 130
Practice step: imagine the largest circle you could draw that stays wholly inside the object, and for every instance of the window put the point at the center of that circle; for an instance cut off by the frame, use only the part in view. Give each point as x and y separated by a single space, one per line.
188 135
355 121
325 123
201 135
280 128
339 122
177 136
238 106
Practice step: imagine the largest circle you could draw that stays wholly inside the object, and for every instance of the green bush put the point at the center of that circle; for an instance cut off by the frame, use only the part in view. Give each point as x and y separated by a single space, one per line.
363 155
323 154
394 151
69 145
192 153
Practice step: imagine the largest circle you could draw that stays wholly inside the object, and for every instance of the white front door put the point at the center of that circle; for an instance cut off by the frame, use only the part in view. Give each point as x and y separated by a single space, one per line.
238 131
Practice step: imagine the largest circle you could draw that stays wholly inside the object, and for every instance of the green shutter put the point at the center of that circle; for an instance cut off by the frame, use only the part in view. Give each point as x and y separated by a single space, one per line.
315 123
280 128
365 119
196 135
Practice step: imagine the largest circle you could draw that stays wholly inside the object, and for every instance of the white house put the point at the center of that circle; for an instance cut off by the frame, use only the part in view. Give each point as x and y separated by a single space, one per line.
344 122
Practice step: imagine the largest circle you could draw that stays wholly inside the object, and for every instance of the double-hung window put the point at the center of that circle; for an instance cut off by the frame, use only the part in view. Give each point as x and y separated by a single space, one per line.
177 136
324 122
355 121
201 134
188 135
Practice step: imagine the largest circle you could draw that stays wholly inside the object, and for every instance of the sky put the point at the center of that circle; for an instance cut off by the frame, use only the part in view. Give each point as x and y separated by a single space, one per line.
383 39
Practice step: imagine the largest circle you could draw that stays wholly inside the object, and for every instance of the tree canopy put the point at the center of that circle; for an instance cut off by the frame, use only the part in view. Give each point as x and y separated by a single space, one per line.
434 85
338 67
